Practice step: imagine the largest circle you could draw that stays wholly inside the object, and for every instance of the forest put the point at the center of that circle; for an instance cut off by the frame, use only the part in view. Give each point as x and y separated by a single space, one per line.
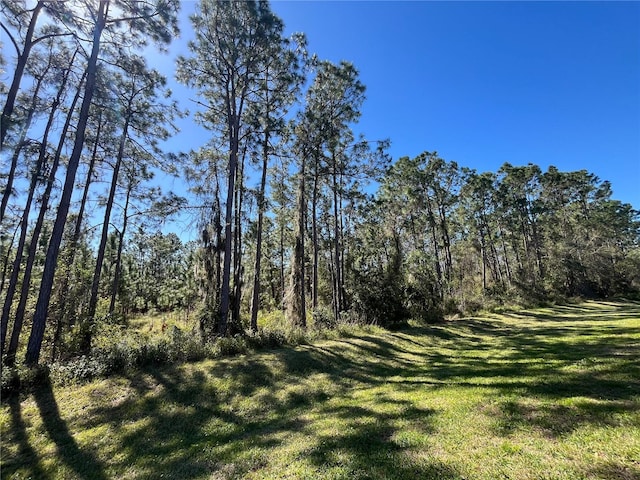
302 222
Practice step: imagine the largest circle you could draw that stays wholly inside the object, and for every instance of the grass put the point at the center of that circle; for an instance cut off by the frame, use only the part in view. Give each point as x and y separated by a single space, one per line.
542 394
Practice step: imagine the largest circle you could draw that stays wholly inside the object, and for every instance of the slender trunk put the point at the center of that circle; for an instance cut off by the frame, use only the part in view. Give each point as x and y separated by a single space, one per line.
343 248
46 285
336 245
37 229
116 276
297 303
93 301
483 254
13 280
218 227
334 286
6 261
446 242
538 249
255 301
237 255
436 249
5 120
66 277
228 231
314 233
496 264
18 148
282 276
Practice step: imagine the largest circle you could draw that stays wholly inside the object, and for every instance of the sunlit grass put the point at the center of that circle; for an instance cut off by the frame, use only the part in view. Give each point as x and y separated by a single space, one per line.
549 393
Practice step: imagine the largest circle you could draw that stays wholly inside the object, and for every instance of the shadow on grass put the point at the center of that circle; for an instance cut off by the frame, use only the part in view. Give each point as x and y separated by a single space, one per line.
616 471
26 453
557 420
83 463
176 422
369 447
192 430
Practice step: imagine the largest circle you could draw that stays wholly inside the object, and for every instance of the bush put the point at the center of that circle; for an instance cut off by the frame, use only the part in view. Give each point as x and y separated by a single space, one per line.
117 349
22 378
322 317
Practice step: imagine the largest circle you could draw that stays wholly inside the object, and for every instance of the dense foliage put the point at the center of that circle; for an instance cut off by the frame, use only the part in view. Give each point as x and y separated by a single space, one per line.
331 231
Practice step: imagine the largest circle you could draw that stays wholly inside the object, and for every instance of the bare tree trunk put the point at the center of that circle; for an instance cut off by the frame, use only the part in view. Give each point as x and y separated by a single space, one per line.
336 246
18 148
5 266
66 277
46 285
225 293
343 249
283 286
116 276
37 229
7 111
436 248
445 241
297 302
314 234
93 301
39 167
237 255
255 301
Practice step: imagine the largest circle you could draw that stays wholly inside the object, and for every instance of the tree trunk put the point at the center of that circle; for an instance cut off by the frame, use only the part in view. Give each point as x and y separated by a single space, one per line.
5 120
40 162
445 241
336 245
46 285
314 233
436 248
283 286
238 268
68 264
343 248
18 148
116 275
85 346
255 301
37 229
228 231
6 261
297 301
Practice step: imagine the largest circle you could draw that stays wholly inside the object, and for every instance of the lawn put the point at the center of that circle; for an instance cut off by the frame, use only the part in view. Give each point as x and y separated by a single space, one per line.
541 394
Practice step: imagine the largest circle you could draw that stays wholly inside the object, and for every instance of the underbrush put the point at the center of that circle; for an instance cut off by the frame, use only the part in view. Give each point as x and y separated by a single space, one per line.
118 349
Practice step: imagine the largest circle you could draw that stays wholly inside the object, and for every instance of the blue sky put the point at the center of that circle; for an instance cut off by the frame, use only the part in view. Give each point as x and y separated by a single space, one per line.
485 83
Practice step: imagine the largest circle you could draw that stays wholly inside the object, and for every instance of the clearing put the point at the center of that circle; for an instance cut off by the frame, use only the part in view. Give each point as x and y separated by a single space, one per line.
548 393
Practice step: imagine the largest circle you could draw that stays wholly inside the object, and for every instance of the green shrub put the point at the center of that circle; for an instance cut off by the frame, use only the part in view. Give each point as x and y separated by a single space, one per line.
22 378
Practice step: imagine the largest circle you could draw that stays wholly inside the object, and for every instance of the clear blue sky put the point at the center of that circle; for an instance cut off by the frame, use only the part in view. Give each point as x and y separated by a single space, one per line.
485 83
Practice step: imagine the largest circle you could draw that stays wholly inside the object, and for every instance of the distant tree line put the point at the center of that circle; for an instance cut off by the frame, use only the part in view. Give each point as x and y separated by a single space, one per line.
296 212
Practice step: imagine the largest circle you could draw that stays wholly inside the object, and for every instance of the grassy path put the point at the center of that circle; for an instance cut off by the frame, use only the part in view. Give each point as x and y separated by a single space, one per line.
543 394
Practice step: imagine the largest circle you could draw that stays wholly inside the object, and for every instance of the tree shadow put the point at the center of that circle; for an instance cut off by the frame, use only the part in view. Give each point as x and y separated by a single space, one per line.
82 462
176 422
189 429
26 453
616 471
555 420
370 448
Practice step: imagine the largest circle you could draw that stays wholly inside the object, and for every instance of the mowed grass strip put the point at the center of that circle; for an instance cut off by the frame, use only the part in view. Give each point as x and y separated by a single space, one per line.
542 394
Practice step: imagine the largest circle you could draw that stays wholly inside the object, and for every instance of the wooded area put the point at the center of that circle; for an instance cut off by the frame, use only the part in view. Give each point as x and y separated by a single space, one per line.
296 211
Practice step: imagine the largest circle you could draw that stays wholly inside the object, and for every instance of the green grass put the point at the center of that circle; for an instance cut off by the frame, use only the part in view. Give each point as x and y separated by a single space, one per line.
542 394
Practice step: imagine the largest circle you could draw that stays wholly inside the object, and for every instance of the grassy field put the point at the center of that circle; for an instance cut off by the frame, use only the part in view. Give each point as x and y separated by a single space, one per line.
542 394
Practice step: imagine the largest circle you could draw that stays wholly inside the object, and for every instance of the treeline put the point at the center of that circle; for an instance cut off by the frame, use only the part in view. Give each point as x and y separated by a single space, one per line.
282 187
440 239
